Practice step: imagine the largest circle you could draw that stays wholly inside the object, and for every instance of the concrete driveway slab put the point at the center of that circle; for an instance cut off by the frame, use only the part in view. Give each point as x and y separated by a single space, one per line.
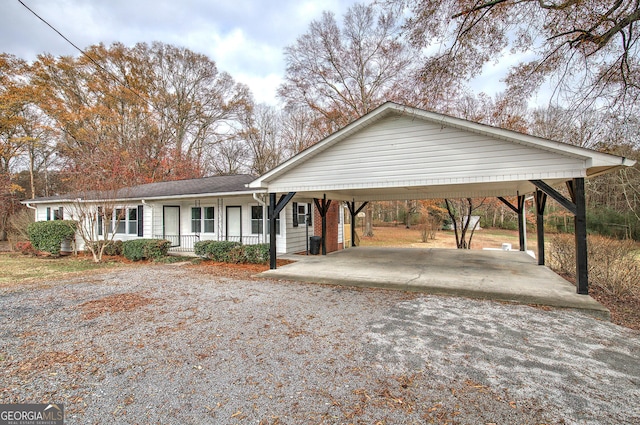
511 276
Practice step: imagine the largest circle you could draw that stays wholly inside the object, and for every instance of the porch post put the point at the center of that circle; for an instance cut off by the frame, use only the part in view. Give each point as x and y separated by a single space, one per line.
521 224
323 207
272 231
580 222
354 212
541 201
352 209
324 224
578 209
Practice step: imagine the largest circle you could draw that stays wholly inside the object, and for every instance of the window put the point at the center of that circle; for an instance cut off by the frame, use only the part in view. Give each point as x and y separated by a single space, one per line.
209 220
132 228
56 214
300 214
196 220
202 218
256 220
127 221
121 220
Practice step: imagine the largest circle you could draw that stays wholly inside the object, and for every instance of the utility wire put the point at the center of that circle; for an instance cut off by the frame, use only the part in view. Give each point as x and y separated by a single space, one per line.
84 53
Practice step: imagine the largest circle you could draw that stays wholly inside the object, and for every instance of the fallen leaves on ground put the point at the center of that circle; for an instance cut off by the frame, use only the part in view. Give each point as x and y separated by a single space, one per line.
234 271
113 304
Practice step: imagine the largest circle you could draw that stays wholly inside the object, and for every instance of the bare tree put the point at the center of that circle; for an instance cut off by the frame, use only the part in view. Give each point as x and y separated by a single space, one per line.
261 134
460 212
299 129
588 49
343 72
229 157
96 222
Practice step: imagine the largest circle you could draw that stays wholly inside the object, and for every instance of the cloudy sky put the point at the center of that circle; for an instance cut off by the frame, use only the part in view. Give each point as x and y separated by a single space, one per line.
244 37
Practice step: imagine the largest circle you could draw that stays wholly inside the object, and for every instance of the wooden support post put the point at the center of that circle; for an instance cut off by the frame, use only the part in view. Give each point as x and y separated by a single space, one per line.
578 209
541 201
352 209
521 229
272 231
520 211
580 222
354 212
274 210
323 208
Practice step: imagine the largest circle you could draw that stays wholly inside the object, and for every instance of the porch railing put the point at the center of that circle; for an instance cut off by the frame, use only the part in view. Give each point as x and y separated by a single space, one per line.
186 243
246 240
180 243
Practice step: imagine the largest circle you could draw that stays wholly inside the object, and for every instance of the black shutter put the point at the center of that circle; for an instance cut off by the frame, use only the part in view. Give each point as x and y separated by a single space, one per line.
100 224
295 214
140 223
309 215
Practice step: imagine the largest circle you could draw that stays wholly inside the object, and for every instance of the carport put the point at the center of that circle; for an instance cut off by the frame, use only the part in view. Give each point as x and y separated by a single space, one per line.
397 152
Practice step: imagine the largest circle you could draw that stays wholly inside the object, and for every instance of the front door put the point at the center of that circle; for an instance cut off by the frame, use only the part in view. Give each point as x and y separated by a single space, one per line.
234 224
171 225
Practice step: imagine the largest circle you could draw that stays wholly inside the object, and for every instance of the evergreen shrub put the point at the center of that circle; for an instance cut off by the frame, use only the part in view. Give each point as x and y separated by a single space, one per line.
145 249
48 236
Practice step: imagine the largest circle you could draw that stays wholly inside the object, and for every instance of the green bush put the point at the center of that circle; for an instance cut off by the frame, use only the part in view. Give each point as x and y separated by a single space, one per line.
232 252
257 254
237 255
112 248
48 236
607 222
145 249
215 250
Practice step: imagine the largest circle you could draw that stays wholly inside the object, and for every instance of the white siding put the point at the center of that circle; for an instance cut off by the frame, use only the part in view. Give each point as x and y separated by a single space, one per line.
400 151
291 239
155 210
296 237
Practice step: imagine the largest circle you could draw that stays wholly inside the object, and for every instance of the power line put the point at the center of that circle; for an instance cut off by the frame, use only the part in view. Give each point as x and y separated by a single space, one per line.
84 53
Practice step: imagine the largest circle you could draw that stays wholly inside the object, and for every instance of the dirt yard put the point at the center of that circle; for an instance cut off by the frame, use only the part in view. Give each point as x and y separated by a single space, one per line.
399 236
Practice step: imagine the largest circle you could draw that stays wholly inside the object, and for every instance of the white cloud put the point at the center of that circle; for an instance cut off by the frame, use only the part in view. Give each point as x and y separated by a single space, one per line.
244 37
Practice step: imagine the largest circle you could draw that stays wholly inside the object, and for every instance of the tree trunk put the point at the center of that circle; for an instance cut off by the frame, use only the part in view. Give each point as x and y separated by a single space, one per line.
368 221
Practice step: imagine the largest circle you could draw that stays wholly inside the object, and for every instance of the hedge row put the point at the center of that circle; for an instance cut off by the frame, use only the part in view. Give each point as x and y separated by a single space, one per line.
48 236
232 252
145 249
112 248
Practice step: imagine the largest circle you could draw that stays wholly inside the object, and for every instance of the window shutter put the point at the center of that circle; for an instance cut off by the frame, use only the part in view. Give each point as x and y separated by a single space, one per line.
295 214
309 215
140 224
100 224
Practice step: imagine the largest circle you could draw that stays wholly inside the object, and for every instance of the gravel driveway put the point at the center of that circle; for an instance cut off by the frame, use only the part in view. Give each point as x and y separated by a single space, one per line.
173 345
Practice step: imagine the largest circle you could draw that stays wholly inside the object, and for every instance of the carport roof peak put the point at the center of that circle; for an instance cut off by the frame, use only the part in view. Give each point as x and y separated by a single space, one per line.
597 162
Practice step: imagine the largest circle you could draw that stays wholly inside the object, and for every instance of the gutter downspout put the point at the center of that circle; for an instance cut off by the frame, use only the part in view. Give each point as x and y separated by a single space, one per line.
35 209
264 216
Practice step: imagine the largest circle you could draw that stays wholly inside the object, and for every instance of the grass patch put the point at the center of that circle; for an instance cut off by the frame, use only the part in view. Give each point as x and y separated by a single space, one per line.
17 268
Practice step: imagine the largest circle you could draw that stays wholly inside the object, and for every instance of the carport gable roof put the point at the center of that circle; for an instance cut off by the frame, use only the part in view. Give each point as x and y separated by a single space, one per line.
399 152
